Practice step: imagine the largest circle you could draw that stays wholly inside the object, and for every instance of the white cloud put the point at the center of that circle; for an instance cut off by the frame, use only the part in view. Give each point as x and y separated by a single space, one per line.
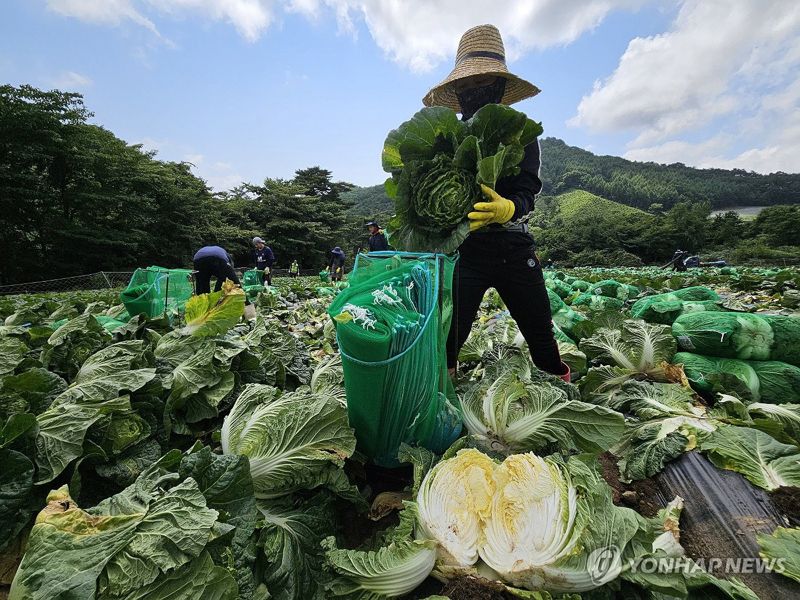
732 66
250 17
70 81
418 34
102 12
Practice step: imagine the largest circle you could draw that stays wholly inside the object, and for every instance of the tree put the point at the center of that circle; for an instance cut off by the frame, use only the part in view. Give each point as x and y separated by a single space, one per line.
779 224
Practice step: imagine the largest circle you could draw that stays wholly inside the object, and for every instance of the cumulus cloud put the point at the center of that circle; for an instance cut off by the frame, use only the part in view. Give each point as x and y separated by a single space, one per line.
250 17
729 66
102 12
418 34
70 80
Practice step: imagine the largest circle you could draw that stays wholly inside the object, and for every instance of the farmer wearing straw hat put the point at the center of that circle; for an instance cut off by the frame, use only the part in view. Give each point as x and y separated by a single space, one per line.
499 251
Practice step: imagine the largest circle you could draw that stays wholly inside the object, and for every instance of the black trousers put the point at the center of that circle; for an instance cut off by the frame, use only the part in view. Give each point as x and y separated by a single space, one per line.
209 267
515 272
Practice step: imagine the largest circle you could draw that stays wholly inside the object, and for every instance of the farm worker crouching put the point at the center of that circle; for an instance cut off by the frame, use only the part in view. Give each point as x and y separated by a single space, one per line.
336 264
377 240
263 258
496 254
214 261
294 269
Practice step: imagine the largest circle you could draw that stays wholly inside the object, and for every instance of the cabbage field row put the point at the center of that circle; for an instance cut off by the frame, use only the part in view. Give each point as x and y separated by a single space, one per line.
156 458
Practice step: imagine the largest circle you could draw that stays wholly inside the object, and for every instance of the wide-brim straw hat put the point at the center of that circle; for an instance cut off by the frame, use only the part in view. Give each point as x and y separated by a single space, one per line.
480 52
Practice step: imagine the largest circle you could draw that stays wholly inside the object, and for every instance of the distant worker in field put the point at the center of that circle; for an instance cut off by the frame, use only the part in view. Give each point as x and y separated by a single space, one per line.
678 261
214 261
294 269
336 264
263 258
377 240
499 252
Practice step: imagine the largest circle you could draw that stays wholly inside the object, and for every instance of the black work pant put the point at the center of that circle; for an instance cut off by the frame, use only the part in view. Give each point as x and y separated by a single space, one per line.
516 274
211 266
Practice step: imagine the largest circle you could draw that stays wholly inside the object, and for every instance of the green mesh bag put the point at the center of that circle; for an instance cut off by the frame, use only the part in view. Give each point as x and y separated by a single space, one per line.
611 288
665 311
253 283
156 291
563 316
769 381
665 308
391 327
579 285
740 335
561 288
598 303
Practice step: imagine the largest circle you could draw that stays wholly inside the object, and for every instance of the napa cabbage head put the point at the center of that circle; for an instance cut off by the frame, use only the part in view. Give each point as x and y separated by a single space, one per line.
443 193
453 503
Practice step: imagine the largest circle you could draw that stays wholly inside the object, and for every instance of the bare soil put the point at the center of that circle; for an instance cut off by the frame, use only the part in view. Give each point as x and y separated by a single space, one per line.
642 496
787 501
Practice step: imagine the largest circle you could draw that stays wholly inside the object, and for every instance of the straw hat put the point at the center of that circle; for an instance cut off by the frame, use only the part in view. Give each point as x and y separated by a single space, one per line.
480 52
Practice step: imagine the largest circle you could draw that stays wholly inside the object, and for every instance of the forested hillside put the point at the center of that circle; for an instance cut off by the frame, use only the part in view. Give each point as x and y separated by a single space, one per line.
643 184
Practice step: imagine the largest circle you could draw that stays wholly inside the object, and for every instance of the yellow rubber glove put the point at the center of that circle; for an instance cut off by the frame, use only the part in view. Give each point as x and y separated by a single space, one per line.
496 210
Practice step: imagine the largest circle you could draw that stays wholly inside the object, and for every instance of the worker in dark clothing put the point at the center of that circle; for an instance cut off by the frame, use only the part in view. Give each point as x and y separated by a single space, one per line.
336 264
678 261
214 261
377 240
497 254
263 258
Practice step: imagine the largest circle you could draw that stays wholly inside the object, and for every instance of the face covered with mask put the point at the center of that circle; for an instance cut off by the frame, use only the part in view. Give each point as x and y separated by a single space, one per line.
474 93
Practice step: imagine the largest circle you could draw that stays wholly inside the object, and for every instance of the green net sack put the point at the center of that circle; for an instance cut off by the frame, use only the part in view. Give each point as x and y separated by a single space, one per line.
740 335
253 277
391 326
665 308
666 311
579 285
563 316
253 283
156 291
768 381
598 303
561 288
324 275
611 288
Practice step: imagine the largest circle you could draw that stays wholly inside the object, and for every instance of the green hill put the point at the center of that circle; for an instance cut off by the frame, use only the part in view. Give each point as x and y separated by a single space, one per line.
369 201
582 203
642 184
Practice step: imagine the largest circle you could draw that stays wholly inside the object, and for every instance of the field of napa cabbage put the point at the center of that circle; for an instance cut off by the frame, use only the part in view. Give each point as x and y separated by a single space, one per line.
199 455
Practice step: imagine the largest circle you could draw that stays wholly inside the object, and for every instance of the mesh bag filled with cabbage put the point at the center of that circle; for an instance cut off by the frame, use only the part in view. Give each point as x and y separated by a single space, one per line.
740 335
437 163
665 308
597 302
769 381
611 288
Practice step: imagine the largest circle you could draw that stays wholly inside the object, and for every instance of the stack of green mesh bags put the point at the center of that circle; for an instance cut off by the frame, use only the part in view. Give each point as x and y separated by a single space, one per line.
755 356
391 327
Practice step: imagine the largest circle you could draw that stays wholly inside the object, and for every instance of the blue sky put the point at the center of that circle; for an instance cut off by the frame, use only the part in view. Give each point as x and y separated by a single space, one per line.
247 89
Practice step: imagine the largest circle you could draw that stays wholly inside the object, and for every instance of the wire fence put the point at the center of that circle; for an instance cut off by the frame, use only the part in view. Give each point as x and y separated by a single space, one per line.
93 281
101 280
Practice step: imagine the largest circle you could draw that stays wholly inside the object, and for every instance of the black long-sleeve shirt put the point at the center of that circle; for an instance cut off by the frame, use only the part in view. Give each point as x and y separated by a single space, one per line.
521 189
